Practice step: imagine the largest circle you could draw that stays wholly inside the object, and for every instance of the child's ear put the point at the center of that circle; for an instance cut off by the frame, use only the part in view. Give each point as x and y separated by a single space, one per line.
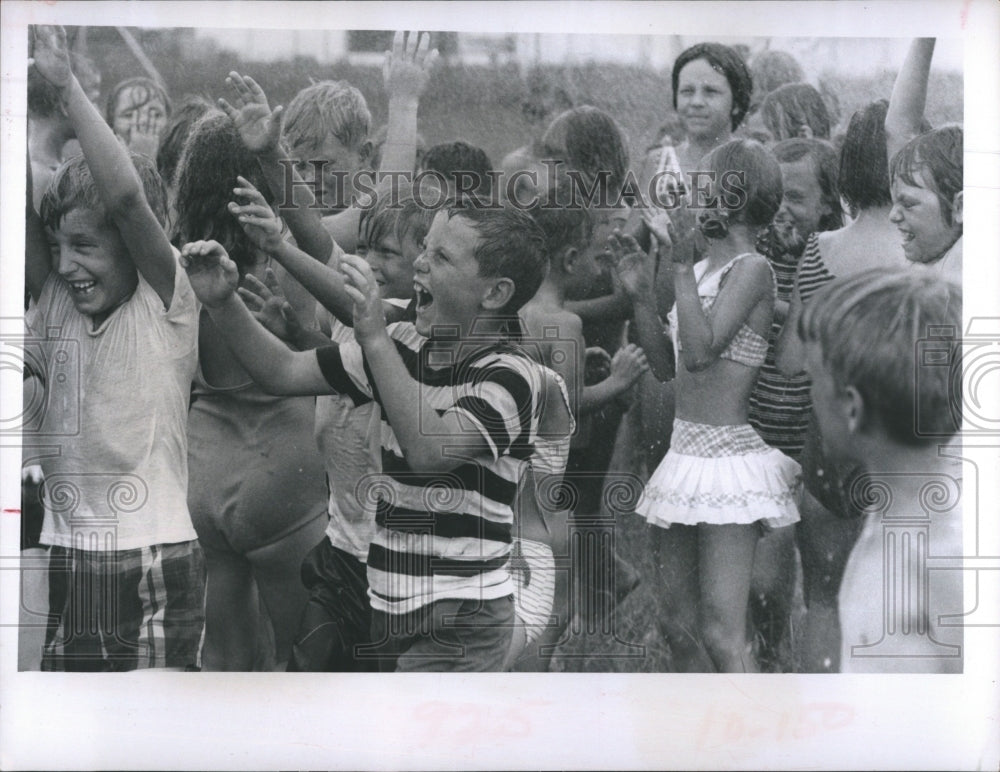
854 410
956 208
567 259
499 294
365 151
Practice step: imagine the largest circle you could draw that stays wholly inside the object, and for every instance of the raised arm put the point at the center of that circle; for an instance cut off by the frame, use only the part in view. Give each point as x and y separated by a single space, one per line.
323 281
405 73
115 177
703 339
273 366
909 95
259 128
37 257
634 269
431 442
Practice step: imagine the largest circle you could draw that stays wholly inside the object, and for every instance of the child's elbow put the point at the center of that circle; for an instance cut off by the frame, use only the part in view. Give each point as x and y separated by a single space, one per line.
696 363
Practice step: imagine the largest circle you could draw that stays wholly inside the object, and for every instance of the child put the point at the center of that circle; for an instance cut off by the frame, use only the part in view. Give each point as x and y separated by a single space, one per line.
326 128
719 483
860 333
337 617
575 237
927 200
925 171
459 418
795 110
137 111
256 495
116 510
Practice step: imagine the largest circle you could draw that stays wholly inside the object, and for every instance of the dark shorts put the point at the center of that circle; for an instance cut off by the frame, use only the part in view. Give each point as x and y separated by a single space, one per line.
337 617
125 610
446 636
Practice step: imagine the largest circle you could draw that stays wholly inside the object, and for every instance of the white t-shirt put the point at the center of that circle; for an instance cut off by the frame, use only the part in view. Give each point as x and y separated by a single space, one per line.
115 418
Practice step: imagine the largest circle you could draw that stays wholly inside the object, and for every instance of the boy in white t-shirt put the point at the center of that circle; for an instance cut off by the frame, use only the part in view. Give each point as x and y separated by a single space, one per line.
116 324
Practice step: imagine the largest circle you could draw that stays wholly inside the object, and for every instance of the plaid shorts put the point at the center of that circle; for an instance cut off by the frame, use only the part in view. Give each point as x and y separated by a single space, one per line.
125 610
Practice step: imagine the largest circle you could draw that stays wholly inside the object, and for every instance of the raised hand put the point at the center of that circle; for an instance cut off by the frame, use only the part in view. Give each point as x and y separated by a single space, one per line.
634 268
144 134
258 125
50 55
256 218
213 275
360 284
407 66
628 363
266 301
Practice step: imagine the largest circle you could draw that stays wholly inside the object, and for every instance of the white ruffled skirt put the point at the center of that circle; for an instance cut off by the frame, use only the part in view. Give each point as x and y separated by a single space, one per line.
721 475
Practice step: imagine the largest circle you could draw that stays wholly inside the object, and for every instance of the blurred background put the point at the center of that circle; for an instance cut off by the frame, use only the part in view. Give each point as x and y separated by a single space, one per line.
477 91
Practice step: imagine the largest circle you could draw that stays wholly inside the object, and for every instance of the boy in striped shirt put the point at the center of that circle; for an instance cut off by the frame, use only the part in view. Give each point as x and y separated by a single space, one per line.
459 404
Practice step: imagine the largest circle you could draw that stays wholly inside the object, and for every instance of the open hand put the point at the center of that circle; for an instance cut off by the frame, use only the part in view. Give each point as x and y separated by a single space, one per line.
50 55
212 272
360 284
256 218
407 66
634 268
144 133
266 301
258 125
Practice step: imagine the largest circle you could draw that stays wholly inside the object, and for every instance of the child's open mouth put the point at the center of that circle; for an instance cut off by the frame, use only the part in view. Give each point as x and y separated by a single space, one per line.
82 287
424 298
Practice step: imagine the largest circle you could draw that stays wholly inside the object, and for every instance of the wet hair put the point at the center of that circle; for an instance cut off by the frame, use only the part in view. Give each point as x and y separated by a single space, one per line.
730 64
789 108
328 107
588 140
772 69
864 163
395 211
937 155
868 327
511 246
212 159
73 187
172 140
152 89
449 158
824 163
564 218
761 183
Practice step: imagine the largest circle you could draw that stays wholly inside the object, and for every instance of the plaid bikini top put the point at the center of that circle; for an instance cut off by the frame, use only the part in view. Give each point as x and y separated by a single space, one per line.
747 347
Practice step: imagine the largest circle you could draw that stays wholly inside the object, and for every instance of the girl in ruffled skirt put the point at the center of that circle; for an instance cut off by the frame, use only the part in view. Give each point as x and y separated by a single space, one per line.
719 486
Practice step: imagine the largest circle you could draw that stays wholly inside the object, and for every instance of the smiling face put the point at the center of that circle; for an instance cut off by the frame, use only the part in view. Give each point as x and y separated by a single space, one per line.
802 202
95 264
139 105
392 260
917 212
449 290
704 101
